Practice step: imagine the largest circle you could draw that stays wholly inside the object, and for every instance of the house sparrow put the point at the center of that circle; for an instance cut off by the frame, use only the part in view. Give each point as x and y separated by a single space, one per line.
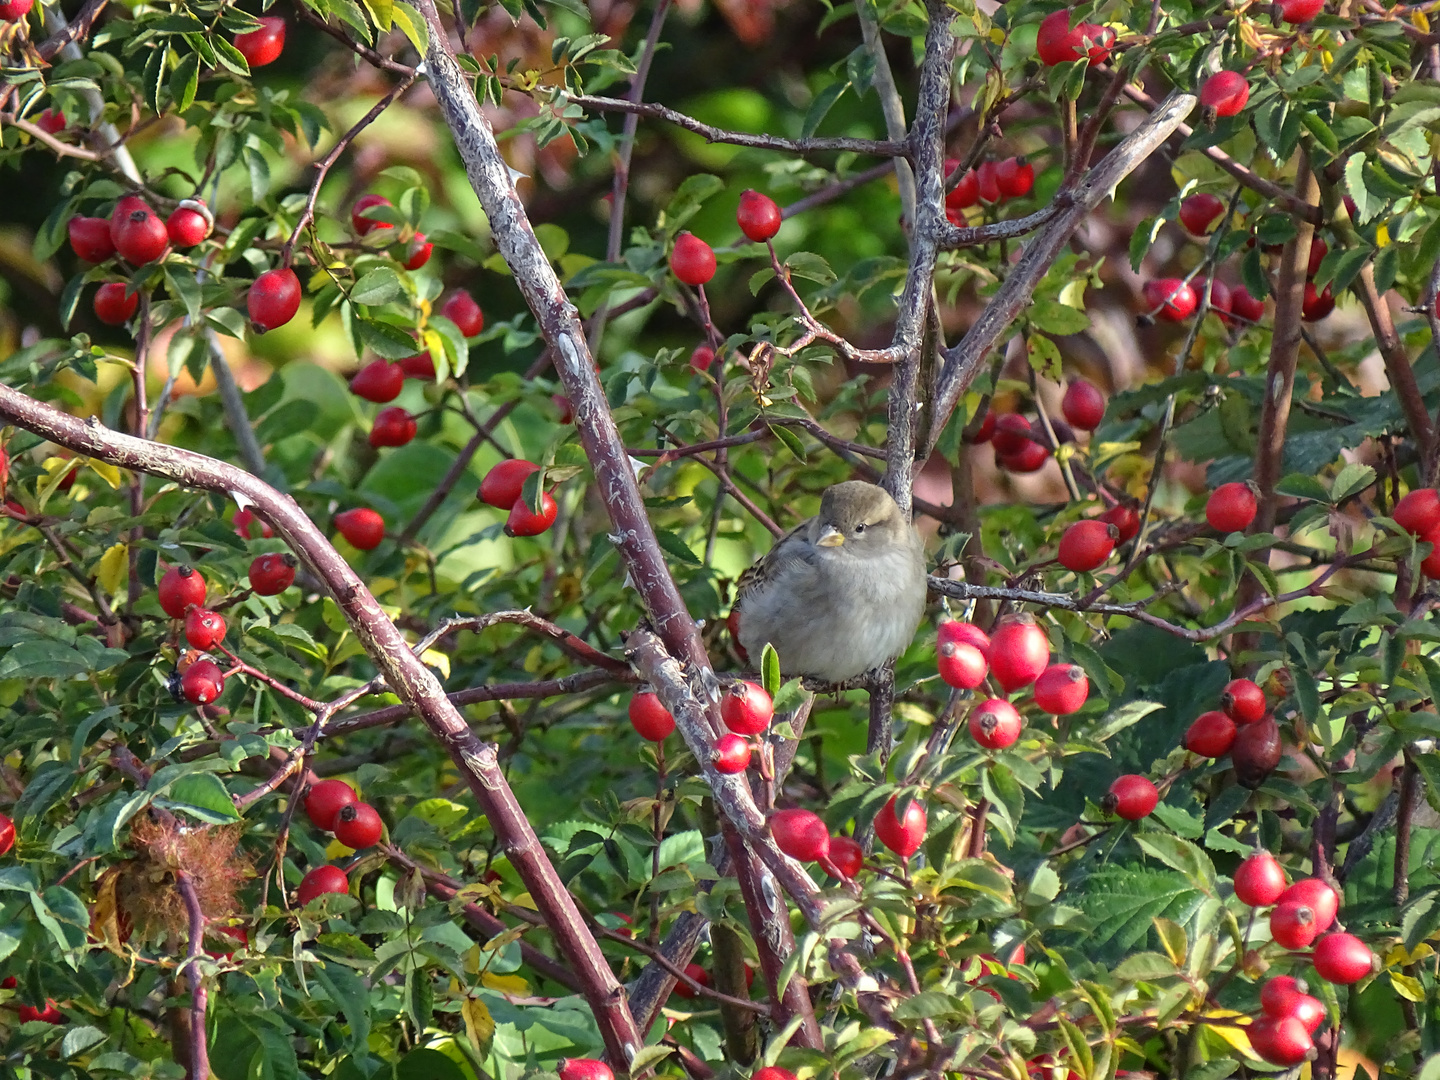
839 594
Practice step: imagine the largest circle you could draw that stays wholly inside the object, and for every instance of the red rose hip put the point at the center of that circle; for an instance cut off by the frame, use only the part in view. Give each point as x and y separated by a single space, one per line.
1132 797
1259 880
1083 405
730 754
204 629
1019 652
903 837
1231 507
692 260
1087 544
461 309
115 304
273 299
264 44
358 219
1062 689
524 521
758 216
504 483
1171 299
139 236
960 665
1226 92
995 724
362 527
180 587
321 880
202 682
270 575
650 719
800 834
90 238
1211 735
746 708
378 381
1198 212
358 825
324 801
1343 959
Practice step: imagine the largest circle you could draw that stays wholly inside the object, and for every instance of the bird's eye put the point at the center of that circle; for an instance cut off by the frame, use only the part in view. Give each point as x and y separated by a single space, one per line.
859 528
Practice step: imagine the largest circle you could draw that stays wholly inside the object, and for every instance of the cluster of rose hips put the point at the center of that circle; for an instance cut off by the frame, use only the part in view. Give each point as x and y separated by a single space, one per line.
50 1014
332 806
504 487
1022 446
692 260
1283 1033
135 233
992 182
1241 727
746 710
1418 513
1016 656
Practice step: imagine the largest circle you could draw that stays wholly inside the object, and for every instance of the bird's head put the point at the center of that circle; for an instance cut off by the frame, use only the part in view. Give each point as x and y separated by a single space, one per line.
858 518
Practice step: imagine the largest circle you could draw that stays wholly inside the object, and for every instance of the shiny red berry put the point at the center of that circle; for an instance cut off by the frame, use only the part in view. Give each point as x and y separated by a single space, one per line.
90 238
1343 959
187 227
730 754
800 834
204 629
461 309
995 724
1132 797
960 665
358 825
324 801
362 527
1281 1040
270 575
360 221
263 45
1226 92
903 837
1062 689
1243 701
139 236
378 381
7 834
1418 512
1171 299
1019 652
1015 177
846 856
417 252
1126 520
393 427
273 299
650 719
1292 925
526 522
115 304
1323 900
584 1069
202 682
1083 405
1199 211
692 260
746 708
1316 305
758 216
1211 735
504 483
1086 545
321 880
1231 507
180 587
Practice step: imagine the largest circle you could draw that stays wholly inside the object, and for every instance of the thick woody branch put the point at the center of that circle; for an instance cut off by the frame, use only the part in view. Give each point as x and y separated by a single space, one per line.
963 362
1397 366
1307 211
410 679
1284 353
559 324
78 30
710 133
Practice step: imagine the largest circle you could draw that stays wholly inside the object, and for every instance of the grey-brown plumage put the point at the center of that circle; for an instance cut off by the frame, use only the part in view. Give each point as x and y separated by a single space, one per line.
839 594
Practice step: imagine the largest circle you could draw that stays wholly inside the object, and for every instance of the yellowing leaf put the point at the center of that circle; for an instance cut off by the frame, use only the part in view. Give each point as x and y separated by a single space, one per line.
506 984
109 473
113 570
1382 237
479 1024
1408 988
523 900
1399 956
438 660
1418 18
1235 1036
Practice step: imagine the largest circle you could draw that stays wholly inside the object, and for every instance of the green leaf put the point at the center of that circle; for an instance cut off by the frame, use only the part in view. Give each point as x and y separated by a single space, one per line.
385 339
820 108
1044 356
1353 479
1307 694
1145 967
770 670
203 796
1180 855
673 545
1301 486
811 267
377 287
1056 318
1122 903
688 198
1132 712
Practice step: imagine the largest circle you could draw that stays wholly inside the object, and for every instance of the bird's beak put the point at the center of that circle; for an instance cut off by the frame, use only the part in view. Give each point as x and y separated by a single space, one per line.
831 537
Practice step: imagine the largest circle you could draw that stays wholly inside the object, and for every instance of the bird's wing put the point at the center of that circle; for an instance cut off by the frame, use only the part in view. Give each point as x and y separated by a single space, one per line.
790 547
